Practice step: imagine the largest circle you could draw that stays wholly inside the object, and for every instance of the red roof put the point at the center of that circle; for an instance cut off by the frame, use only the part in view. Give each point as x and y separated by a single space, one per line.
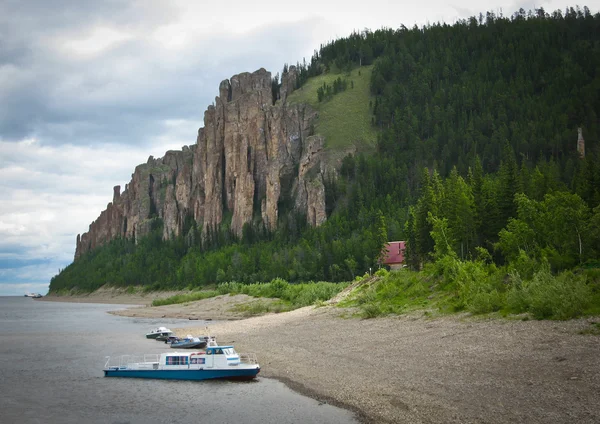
394 252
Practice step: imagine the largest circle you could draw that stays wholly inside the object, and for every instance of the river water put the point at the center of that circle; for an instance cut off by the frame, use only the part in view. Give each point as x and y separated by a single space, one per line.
51 360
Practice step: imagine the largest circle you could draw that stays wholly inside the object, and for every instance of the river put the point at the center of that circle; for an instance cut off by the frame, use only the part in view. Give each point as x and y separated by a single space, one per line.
51 360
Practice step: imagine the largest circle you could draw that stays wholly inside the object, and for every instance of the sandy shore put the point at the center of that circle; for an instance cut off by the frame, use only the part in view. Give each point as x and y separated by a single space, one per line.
414 369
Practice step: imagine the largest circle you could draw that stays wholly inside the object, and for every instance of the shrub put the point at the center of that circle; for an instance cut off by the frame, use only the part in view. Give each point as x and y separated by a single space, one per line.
382 272
371 310
486 302
277 288
517 299
184 298
547 296
562 297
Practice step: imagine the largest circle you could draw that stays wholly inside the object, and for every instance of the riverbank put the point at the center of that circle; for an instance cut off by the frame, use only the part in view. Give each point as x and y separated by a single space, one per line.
112 296
414 369
417 370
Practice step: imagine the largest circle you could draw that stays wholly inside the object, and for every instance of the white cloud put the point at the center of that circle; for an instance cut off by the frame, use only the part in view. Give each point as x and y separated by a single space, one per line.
95 41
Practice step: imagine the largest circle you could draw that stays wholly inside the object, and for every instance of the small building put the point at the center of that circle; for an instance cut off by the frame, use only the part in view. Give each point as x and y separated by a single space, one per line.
393 254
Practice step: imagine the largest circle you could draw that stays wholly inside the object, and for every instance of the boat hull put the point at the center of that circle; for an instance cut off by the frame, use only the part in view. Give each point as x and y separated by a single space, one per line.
191 345
203 374
162 337
156 335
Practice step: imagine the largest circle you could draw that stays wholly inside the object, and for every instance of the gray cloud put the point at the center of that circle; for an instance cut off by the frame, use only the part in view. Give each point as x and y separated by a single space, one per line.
123 94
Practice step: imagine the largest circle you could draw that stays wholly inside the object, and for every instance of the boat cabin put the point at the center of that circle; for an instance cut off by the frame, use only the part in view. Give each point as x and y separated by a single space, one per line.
212 356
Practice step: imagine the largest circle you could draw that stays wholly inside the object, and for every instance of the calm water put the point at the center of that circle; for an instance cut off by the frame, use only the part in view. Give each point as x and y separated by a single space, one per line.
51 360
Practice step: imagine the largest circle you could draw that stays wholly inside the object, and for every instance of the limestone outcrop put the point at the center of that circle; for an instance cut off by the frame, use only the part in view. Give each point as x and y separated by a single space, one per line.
249 155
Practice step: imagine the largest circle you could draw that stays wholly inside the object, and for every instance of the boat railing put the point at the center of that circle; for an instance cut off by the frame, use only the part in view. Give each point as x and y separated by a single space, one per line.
248 358
126 360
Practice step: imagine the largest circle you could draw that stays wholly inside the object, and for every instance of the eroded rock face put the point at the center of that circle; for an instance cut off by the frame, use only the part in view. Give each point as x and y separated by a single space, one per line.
249 154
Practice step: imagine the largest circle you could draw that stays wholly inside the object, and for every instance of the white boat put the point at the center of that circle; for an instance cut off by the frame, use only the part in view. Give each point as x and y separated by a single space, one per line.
160 331
212 363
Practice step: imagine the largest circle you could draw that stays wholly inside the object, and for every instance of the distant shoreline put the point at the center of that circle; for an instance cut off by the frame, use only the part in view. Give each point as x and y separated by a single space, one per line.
111 296
411 368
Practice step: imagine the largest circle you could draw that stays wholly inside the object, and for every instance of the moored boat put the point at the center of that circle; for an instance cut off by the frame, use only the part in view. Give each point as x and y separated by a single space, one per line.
212 363
160 331
190 342
164 337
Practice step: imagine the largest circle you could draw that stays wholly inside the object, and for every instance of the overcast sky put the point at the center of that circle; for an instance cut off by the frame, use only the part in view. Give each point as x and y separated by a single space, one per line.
90 89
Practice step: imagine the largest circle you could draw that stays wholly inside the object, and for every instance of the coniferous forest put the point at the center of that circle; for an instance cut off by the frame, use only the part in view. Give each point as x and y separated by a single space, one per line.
476 166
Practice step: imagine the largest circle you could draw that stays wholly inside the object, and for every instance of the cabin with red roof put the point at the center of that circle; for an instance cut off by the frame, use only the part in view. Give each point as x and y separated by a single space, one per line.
393 254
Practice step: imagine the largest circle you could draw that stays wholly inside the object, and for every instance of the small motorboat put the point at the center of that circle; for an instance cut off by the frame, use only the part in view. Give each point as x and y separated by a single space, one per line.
213 362
162 338
157 332
190 342
171 339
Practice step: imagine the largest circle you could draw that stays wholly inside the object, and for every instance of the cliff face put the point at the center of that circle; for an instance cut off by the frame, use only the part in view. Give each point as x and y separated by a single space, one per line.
248 156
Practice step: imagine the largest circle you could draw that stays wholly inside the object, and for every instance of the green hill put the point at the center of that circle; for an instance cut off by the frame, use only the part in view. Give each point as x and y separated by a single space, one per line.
345 118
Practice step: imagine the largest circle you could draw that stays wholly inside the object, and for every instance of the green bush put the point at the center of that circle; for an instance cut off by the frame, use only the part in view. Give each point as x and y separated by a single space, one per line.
230 287
371 310
382 272
486 302
562 297
517 299
184 298
547 296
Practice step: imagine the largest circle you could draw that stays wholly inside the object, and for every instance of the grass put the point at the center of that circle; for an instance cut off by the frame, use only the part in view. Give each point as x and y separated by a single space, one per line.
345 118
593 329
296 295
442 288
292 296
395 293
452 286
259 307
184 298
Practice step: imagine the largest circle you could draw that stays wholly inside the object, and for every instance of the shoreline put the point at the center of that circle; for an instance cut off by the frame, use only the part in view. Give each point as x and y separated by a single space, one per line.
110 296
415 369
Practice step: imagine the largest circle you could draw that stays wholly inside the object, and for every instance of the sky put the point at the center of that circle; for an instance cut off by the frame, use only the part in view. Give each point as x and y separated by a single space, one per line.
90 89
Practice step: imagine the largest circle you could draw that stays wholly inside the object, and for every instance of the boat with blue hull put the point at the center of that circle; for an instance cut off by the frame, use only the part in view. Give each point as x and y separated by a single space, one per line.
215 362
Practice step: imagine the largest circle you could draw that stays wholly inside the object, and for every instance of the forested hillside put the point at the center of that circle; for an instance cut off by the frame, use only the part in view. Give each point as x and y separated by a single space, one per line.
476 159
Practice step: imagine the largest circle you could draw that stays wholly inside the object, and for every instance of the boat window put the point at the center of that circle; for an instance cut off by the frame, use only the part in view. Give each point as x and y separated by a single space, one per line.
218 351
228 351
177 360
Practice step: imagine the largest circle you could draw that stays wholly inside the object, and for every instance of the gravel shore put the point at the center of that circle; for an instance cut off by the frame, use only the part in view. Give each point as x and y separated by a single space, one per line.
414 369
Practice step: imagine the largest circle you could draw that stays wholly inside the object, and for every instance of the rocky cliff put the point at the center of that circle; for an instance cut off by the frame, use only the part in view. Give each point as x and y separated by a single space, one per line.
249 155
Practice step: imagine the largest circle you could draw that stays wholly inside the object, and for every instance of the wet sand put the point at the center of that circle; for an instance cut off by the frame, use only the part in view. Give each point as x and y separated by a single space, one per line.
415 369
